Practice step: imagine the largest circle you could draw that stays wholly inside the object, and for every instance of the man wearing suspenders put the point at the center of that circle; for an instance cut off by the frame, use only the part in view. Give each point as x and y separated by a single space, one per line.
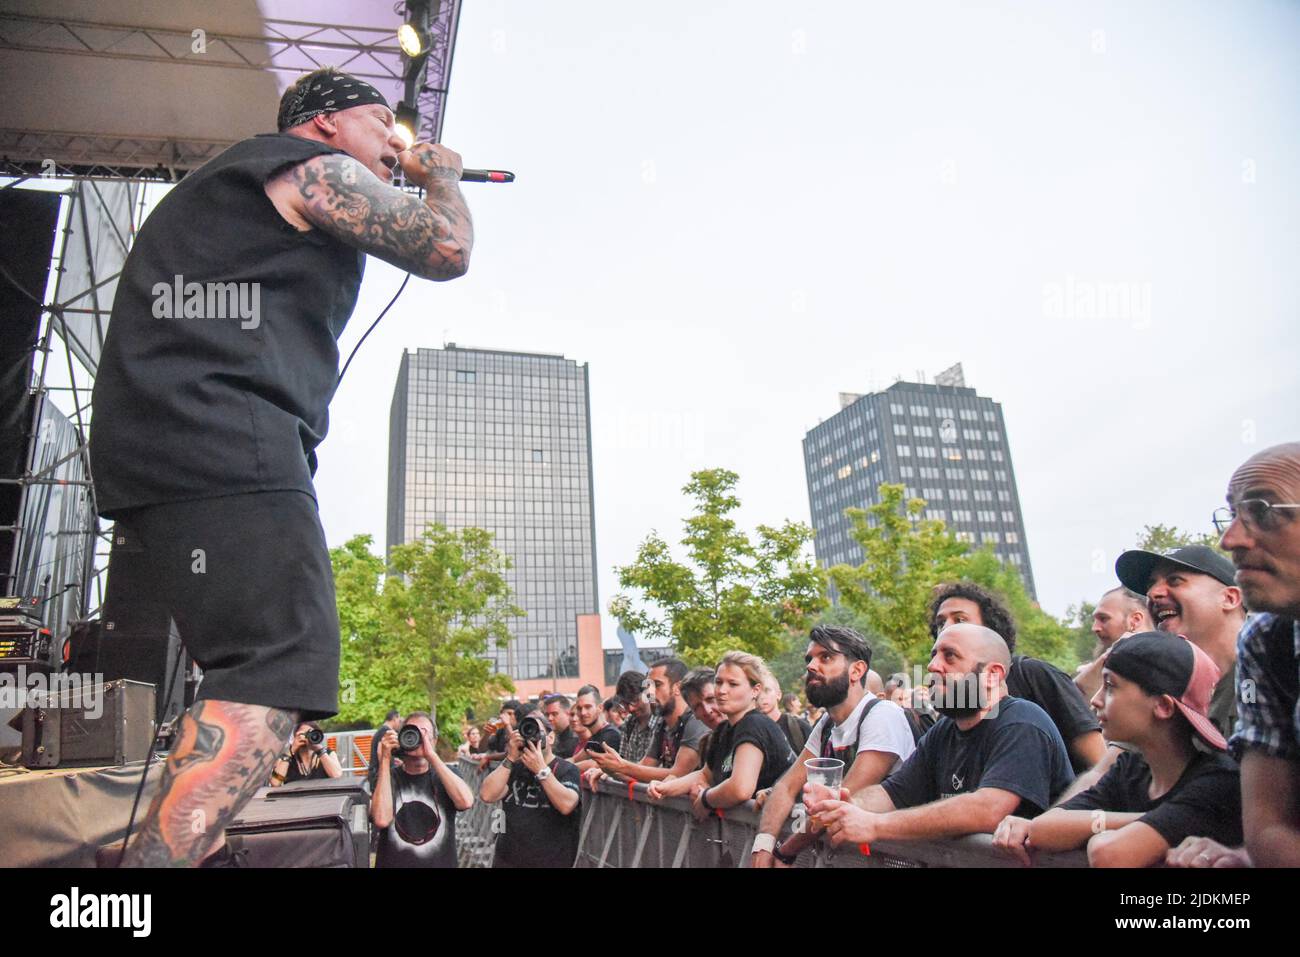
869 735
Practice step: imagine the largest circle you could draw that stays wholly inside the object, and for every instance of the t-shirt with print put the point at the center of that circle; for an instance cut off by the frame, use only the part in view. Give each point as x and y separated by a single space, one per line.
535 833
689 731
1205 802
1018 750
423 832
1056 693
759 730
884 729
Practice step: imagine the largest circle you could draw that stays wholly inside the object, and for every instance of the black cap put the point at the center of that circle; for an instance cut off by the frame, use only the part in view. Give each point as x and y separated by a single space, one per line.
1134 567
1162 663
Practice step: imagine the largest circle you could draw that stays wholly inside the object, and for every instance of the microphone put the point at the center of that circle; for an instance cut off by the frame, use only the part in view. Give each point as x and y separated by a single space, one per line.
486 176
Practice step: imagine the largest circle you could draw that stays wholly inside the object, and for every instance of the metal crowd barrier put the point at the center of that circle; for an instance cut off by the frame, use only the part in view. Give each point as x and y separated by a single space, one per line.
475 838
352 748
622 827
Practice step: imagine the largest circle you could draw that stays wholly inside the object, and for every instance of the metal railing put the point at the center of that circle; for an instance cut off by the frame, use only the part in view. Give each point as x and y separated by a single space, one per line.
475 837
622 827
352 748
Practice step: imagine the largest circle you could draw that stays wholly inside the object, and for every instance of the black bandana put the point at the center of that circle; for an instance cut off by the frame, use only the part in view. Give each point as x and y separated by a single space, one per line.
338 91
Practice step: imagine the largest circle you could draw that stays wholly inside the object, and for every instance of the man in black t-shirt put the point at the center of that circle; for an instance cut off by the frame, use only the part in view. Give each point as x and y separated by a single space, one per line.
415 803
592 715
990 755
1029 678
1155 696
210 400
540 799
556 708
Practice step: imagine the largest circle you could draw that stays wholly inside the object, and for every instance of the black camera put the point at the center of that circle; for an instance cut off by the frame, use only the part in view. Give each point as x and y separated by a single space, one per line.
409 739
533 731
315 736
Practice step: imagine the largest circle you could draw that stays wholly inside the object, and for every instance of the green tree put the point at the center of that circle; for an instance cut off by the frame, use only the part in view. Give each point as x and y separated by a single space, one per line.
1079 619
418 636
906 555
1165 538
732 593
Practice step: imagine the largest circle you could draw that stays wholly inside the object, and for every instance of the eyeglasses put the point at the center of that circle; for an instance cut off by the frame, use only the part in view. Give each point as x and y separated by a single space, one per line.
1255 513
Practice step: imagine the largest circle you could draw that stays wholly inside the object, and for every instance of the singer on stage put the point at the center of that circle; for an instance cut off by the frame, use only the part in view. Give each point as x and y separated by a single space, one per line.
212 394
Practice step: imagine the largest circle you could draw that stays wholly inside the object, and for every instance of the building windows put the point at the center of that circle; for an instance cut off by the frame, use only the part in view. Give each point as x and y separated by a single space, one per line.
987 517
983 495
970 415
992 537
943 413
925 451
964 536
904 451
537 455
971 435
900 429
1013 538
906 471
844 472
992 436
996 455
955 475
923 431
1009 518
959 495
465 376
1000 474
990 415
935 513
952 453
895 408
977 455
932 494
1004 496
979 475
919 410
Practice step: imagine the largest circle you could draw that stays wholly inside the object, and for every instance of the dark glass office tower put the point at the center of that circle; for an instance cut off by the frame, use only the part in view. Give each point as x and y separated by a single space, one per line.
502 441
945 443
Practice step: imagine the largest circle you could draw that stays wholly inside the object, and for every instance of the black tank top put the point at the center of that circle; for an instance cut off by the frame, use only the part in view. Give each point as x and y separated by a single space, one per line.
195 406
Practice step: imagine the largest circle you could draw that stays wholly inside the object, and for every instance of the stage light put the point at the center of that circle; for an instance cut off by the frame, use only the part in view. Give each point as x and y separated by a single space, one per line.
407 122
411 40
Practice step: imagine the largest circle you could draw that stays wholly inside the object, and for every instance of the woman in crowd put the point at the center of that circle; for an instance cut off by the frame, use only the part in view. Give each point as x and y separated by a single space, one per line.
473 743
747 753
306 760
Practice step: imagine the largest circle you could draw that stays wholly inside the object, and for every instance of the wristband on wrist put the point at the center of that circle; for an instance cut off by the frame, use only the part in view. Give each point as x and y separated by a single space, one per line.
782 857
704 799
764 842
507 764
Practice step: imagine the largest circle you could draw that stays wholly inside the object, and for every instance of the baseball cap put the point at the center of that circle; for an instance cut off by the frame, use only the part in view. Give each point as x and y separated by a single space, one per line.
1170 664
1134 566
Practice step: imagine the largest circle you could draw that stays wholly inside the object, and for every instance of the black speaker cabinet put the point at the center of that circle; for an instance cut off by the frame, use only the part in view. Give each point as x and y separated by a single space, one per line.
89 726
148 652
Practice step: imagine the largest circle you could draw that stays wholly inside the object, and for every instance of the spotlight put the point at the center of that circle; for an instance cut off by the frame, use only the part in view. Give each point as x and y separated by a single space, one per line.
412 40
407 121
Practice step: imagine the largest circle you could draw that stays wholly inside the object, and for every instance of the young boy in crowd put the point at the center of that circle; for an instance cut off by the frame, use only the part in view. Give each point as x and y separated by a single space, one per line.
1155 696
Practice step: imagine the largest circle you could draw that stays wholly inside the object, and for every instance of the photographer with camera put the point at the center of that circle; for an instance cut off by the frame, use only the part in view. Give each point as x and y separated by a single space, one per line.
414 805
308 759
540 798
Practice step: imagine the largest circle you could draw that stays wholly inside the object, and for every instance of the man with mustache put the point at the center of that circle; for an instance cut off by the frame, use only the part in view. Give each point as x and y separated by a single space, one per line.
1261 528
1191 592
869 735
990 755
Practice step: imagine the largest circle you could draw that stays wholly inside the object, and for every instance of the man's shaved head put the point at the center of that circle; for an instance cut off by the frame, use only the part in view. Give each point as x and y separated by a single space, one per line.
983 644
1267 557
874 684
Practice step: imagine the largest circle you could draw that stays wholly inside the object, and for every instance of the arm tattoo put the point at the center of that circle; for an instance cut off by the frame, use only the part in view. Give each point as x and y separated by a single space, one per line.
225 753
431 238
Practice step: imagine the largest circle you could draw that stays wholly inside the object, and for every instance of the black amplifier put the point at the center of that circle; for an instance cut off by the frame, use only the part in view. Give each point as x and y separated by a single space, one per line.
24 640
106 725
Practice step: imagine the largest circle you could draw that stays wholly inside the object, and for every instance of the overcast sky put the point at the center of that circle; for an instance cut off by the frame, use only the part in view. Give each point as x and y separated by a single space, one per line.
734 211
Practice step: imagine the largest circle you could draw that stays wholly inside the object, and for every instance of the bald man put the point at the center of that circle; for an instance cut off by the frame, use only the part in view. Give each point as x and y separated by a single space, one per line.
988 752
1120 613
1261 528
874 685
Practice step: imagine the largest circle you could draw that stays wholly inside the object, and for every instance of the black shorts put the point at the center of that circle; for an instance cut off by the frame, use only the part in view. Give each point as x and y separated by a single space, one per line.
247 580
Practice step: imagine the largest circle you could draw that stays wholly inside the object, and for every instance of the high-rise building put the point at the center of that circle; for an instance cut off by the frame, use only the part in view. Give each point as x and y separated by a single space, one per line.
943 442
502 441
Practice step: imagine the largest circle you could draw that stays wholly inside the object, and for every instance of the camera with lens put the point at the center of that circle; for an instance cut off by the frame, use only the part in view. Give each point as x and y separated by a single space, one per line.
315 736
533 731
409 739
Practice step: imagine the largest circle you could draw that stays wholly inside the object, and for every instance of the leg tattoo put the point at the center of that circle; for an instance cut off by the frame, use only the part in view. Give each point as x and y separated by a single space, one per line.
225 752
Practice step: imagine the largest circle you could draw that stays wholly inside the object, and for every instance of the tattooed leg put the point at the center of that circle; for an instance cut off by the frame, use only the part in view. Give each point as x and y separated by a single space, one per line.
225 752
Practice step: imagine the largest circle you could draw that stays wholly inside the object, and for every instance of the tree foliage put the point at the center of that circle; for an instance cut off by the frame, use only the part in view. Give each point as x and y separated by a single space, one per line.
1165 538
417 636
732 592
906 556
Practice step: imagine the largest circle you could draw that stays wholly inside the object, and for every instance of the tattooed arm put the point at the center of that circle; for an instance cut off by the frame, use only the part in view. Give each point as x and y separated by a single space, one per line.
431 237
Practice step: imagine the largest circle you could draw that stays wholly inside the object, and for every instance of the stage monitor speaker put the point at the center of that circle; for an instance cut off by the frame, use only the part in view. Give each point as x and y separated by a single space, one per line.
153 656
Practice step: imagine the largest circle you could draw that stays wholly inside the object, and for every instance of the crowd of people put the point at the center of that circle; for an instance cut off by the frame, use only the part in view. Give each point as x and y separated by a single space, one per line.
1179 744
